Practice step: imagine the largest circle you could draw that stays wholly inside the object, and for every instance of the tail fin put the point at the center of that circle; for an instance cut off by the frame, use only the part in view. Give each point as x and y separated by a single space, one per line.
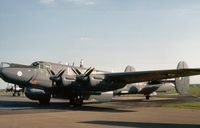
182 83
129 69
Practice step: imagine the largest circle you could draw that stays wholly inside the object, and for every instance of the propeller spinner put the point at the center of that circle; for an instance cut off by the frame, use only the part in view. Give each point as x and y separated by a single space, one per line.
56 77
82 77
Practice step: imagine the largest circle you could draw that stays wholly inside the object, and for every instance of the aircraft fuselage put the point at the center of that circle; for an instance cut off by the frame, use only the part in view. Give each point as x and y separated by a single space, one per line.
37 76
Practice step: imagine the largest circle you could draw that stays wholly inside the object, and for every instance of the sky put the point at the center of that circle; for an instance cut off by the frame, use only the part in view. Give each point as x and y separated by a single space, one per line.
106 34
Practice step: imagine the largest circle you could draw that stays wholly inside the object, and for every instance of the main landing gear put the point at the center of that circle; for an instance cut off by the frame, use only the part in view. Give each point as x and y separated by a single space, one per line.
147 97
76 101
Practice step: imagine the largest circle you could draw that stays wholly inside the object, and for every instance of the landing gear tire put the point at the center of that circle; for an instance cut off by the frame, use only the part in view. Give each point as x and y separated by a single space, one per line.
44 101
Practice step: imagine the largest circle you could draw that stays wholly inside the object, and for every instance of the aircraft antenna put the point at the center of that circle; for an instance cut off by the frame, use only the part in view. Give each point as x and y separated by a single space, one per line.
81 63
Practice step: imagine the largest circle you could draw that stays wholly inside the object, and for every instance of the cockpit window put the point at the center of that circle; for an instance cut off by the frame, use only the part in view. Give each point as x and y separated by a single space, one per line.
35 64
40 64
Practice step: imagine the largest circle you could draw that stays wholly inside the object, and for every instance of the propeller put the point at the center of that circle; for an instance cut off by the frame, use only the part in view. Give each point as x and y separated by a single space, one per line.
82 76
76 71
89 71
82 80
56 77
85 74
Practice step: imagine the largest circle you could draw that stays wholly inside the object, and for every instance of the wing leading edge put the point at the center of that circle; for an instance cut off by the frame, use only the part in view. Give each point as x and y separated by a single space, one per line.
142 76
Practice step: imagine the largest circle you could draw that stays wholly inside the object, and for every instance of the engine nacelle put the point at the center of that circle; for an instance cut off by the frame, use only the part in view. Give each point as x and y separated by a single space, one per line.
37 94
103 97
68 80
95 80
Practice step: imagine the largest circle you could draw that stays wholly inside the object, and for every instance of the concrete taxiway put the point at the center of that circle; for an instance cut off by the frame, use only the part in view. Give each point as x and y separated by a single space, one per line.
122 112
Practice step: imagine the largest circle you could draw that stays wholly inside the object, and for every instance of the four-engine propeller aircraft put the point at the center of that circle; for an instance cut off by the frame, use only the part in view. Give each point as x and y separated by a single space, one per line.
43 80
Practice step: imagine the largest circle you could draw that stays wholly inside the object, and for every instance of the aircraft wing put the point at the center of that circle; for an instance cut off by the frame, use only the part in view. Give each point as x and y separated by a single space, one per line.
142 76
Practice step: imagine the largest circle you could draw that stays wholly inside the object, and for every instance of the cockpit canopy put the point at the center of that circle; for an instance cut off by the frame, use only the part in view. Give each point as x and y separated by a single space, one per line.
37 64
40 64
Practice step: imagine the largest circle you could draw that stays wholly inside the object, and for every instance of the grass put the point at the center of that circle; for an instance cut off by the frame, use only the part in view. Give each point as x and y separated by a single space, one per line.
171 91
2 92
194 91
193 105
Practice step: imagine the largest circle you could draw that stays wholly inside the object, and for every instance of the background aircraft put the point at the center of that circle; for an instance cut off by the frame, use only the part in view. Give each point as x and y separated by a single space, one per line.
42 80
15 89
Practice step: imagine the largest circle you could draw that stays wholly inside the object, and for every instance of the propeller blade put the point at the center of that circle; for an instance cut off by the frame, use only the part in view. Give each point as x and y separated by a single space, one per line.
50 72
60 73
89 71
57 77
76 71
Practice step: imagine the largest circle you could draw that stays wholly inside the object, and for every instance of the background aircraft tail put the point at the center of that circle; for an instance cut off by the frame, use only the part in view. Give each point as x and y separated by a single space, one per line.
182 83
129 69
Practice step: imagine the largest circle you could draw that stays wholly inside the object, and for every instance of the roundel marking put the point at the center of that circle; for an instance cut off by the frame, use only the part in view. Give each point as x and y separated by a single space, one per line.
19 73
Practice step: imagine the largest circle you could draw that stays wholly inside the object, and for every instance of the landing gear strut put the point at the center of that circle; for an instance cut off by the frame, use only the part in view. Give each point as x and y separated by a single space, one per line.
147 97
76 101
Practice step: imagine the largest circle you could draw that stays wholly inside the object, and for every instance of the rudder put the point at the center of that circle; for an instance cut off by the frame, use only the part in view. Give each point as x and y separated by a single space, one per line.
182 83
129 69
